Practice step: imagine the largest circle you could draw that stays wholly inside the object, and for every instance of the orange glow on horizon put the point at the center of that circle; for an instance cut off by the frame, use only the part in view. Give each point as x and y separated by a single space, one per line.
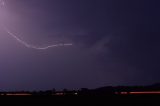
140 92
146 92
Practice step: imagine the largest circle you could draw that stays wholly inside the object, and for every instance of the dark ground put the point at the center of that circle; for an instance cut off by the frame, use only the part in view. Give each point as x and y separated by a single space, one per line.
117 100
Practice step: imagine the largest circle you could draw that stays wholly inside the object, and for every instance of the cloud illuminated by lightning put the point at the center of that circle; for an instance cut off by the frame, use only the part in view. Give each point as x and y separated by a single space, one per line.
2 4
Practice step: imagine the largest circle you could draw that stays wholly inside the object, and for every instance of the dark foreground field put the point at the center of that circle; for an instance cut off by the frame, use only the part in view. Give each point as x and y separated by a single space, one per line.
118 100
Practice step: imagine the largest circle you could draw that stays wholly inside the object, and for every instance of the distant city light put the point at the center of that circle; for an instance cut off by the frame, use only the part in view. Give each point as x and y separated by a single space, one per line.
76 93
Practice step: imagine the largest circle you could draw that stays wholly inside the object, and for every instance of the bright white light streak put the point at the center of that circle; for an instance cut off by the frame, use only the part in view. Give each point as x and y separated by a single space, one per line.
2 4
32 46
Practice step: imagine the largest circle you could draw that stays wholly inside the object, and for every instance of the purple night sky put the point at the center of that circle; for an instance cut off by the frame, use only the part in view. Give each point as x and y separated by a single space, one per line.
114 42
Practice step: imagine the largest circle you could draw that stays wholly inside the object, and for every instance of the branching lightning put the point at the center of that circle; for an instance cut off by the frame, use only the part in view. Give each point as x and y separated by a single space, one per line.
2 4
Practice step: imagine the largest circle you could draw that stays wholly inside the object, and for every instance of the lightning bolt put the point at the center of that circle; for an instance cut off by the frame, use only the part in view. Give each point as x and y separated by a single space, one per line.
32 46
2 3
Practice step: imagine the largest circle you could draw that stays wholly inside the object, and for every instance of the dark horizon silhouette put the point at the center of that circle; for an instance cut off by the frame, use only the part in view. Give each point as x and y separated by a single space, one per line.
153 89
